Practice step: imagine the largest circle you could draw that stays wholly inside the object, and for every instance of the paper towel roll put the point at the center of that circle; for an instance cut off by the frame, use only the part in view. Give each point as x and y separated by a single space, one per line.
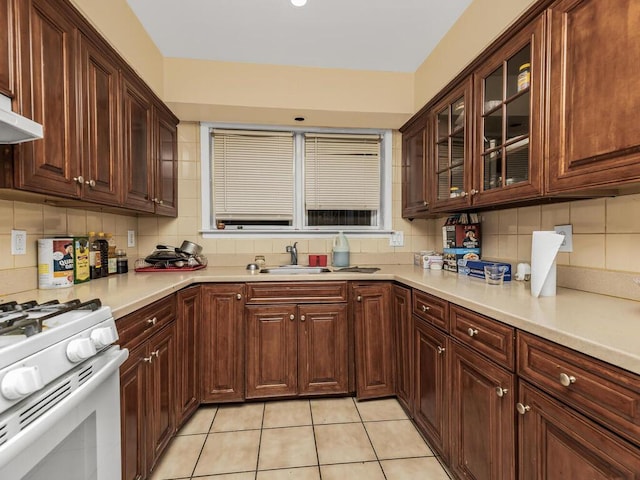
544 249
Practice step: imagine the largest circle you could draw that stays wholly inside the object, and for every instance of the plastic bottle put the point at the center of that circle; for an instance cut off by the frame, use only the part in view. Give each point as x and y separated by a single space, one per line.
95 257
112 262
340 251
104 254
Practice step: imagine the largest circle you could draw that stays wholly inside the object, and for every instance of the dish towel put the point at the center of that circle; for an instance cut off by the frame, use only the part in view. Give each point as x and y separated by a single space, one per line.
544 249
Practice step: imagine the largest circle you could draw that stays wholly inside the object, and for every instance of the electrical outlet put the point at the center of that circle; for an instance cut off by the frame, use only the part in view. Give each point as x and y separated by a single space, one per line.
567 231
18 242
131 238
396 239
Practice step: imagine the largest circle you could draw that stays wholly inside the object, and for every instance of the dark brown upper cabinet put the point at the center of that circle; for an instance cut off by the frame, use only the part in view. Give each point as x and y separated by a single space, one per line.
415 193
7 60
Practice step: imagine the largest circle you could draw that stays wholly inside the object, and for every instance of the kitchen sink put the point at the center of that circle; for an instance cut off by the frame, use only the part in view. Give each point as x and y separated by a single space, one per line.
294 269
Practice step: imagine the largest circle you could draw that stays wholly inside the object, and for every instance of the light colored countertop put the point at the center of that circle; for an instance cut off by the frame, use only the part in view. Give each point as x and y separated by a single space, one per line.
604 327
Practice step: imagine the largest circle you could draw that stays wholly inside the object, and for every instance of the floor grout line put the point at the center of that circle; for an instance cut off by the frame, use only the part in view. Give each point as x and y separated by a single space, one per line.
264 408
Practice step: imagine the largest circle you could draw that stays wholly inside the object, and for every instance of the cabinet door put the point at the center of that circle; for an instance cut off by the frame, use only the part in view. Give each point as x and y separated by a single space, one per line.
374 340
556 443
221 344
322 349
403 324
431 401
133 414
48 96
451 149
509 107
101 158
482 417
272 350
165 164
137 150
188 335
415 200
7 47
593 71
161 395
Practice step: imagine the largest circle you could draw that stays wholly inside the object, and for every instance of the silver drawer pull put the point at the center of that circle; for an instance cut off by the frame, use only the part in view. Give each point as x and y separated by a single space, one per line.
472 331
292 317
152 321
440 349
566 380
425 308
501 392
238 296
522 409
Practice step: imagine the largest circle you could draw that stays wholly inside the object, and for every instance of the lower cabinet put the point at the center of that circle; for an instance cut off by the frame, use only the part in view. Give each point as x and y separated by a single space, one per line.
482 417
374 347
189 306
296 350
147 386
221 343
403 325
431 385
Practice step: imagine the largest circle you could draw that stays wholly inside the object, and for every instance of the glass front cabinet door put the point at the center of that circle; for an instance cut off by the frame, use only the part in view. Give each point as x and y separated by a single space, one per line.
451 149
508 144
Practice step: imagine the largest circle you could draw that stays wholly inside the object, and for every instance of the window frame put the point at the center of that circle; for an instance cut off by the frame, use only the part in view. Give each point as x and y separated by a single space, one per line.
298 228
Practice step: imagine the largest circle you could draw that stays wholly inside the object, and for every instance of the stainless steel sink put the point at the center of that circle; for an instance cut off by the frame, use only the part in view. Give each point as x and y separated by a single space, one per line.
294 269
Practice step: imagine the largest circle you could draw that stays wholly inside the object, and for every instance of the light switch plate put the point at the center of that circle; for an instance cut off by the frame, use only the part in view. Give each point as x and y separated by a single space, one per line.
567 231
396 239
131 238
18 242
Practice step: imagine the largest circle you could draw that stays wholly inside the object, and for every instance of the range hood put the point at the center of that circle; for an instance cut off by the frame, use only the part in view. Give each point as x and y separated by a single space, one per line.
15 128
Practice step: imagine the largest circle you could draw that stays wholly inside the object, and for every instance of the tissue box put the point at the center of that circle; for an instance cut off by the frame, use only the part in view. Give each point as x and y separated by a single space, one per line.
476 268
452 255
461 236
418 257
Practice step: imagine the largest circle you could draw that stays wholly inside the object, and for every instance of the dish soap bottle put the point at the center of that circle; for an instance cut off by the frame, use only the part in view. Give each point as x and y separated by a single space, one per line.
340 251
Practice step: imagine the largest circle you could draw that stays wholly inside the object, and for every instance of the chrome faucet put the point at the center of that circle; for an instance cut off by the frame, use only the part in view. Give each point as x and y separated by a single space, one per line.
294 253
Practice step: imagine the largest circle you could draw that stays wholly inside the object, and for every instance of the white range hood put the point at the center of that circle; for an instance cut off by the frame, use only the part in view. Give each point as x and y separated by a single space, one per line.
15 128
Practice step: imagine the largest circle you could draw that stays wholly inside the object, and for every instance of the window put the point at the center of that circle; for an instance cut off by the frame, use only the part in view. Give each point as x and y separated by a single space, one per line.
291 180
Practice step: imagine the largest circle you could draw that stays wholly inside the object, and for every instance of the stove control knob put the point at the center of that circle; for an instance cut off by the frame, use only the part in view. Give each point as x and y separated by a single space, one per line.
80 349
21 382
101 337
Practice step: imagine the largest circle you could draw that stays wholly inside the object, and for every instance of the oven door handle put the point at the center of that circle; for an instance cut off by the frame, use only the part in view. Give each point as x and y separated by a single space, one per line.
28 436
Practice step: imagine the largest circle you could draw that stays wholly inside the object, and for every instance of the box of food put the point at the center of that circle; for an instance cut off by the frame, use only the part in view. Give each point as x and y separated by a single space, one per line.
461 236
476 268
452 255
418 257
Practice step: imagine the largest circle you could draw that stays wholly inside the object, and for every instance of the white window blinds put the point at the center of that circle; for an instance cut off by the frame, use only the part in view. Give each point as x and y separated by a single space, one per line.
253 175
342 172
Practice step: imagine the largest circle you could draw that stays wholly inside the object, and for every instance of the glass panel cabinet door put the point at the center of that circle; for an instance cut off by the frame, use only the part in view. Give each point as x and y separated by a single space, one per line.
451 149
508 160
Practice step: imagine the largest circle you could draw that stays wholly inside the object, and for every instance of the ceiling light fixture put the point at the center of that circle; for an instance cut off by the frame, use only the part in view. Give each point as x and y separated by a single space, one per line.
298 3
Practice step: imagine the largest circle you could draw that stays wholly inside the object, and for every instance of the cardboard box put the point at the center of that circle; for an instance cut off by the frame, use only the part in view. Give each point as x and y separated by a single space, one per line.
452 255
476 268
461 236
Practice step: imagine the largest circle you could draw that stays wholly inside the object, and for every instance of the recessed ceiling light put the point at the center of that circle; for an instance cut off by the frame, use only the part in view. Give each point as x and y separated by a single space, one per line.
298 3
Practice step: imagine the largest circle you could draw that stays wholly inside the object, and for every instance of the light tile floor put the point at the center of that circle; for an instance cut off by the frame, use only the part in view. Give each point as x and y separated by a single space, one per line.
324 439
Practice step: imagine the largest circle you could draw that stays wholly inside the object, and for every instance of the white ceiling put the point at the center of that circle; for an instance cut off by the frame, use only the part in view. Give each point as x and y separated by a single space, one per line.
383 35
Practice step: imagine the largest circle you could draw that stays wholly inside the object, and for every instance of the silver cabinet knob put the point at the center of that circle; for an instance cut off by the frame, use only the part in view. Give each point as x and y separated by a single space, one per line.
425 203
501 392
148 359
463 194
302 318
359 298
472 331
473 192
79 179
440 349
91 183
522 409
292 317
152 321
425 308
238 296
566 380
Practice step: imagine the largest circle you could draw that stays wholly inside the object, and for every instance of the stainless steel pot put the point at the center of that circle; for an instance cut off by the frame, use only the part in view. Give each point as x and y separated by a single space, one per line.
187 247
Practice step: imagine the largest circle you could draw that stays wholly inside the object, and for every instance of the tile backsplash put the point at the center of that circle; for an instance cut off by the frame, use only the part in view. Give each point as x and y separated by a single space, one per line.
606 232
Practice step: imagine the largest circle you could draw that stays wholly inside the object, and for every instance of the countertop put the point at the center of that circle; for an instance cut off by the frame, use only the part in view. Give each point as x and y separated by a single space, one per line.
604 327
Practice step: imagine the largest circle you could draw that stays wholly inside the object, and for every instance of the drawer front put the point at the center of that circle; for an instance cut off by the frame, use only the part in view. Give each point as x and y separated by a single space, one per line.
487 336
296 292
145 322
607 394
432 309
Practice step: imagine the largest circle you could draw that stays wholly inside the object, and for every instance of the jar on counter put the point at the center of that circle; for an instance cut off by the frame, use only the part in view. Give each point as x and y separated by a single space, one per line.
122 262
524 77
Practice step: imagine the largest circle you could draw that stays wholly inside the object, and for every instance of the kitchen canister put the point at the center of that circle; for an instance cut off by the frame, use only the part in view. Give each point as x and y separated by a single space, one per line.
340 251
55 262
